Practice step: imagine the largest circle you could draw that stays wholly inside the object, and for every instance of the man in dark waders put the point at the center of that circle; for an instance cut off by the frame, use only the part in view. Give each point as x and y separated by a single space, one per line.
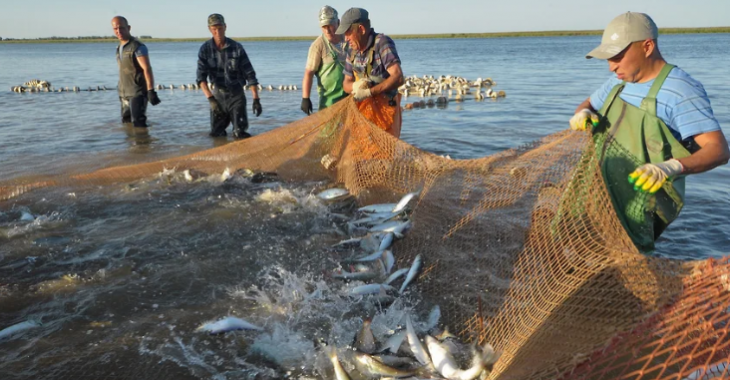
326 60
652 124
373 71
136 81
225 63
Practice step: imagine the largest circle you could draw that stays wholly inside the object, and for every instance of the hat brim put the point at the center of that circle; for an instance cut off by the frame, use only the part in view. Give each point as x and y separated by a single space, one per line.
343 28
328 22
606 51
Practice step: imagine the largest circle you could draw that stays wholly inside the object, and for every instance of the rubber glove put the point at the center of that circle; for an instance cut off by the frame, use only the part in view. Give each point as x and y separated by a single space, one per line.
651 177
257 107
152 96
306 106
580 120
215 106
361 89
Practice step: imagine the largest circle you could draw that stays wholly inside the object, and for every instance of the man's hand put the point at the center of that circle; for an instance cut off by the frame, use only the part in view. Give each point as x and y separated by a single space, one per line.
152 96
580 120
651 177
306 106
215 106
361 89
257 107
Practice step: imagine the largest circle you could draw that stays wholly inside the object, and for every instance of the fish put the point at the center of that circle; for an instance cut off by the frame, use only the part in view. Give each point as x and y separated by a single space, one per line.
433 318
332 194
395 275
378 208
397 227
378 368
445 364
393 343
355 276
415 345
401 205
395 361
388 260
19 328
227 324
417 262
340 373
370 289
386 242
349 243
371 242
374 219
365 341
371 257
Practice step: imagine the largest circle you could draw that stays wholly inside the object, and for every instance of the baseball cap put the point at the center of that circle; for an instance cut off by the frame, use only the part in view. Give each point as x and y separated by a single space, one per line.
216 19
327 16
352 16
622 31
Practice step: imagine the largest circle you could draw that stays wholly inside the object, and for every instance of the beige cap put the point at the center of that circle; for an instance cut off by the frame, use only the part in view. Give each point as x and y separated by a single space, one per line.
622 31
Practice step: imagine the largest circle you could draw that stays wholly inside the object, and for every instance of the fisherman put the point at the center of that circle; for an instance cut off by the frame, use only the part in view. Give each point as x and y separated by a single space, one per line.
136 81
225 63
372 71
326 60
657 113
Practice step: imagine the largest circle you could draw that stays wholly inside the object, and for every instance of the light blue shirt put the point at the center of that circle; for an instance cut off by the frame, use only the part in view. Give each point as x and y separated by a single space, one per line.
682 103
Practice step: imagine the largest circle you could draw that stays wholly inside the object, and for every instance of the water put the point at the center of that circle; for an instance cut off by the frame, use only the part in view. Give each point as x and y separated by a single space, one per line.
134 269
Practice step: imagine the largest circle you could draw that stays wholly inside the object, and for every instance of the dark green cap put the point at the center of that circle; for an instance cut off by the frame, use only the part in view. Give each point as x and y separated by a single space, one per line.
216 19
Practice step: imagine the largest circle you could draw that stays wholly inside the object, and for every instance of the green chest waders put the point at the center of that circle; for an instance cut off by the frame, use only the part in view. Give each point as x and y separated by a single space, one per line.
626 138
330 78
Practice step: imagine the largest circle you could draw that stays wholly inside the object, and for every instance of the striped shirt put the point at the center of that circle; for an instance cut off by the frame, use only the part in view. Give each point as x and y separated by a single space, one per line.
384 57
226 68
682 103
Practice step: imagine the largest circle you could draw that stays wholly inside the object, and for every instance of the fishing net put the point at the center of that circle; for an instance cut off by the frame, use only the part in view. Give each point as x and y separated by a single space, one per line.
522 249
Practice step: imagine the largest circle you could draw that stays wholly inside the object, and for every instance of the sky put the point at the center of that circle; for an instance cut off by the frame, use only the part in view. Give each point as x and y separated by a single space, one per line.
246 18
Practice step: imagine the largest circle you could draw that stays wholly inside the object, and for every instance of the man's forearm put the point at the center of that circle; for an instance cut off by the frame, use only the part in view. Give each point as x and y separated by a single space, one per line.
206 90
150 78
391 83
255 92
707 158
585 105
307 83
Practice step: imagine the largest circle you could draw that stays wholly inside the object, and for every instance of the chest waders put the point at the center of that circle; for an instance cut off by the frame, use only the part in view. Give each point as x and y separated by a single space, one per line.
626 138
330 78
382 110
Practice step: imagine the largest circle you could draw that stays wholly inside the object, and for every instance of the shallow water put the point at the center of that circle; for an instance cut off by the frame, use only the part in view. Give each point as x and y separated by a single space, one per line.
134 269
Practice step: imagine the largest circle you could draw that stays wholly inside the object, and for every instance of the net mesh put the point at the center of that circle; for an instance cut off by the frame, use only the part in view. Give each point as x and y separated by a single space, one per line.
522 249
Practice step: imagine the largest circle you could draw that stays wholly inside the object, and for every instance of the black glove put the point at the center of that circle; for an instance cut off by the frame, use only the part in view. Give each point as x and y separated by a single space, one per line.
306 106
215 106
257 107
152 96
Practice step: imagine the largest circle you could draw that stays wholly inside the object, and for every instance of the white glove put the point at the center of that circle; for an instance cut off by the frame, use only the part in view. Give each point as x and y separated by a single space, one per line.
361 89
579 120
651 177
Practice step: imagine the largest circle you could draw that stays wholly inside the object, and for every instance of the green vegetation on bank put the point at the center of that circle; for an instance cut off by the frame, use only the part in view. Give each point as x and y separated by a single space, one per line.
552 33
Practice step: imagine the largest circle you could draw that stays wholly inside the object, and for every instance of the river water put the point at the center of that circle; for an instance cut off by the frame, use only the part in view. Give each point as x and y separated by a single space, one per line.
133 270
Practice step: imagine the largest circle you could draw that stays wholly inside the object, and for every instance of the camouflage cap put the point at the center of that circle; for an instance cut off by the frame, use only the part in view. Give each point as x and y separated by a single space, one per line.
216 19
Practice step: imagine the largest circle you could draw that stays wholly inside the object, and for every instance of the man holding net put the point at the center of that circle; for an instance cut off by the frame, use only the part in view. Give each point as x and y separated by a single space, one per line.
652 124
326 60
372 71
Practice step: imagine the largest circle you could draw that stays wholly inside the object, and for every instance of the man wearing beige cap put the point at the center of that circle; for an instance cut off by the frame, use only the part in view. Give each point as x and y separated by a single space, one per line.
652 124
225 63
326 60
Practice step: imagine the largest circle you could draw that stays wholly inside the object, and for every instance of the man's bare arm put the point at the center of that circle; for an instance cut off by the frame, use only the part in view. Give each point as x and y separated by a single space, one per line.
394 81
307 83
144 63
713 152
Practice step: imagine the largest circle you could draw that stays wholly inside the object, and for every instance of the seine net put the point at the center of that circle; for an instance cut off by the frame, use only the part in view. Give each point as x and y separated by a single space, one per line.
522 249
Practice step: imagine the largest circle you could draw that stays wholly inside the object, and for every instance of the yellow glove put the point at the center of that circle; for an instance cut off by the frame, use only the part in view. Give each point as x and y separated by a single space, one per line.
651 177
581 118
361 89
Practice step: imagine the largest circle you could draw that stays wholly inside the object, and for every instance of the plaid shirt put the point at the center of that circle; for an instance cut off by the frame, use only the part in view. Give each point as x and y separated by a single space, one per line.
384 57
226 68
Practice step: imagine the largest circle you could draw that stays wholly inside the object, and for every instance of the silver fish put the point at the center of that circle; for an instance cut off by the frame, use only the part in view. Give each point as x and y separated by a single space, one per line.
415 345
417 262
371 242
388 260
377 368
433 318
395 275
371 257
354 242
393 343
386 242
19 328
331 194
446 365
365 341
376 218
340 373
378 208
355 276
227 324
405 200
371 289
394 226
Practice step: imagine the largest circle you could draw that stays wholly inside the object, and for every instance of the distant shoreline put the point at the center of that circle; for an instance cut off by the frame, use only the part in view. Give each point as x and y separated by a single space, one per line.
553 33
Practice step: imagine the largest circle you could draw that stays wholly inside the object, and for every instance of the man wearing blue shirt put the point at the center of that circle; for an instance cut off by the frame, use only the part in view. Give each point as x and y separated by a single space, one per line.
136 81
652 124
224 62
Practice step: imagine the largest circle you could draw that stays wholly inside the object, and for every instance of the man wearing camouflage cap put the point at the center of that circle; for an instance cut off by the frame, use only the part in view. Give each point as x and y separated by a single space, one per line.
224 62
326 60
653 125
373 71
